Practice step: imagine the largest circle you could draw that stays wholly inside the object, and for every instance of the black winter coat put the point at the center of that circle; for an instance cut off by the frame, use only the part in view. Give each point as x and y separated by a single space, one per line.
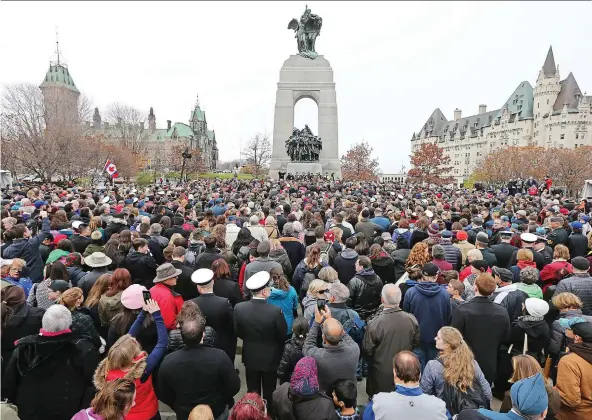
296 251
25 321
418 236
292 354
220 316
197 375
176 229
484 326
83 325
185 287
291 406
538 335
142 268
384 268
228 289
207 257
364 293
345 265
79 243
578 245
50 377
539 259
400 259
513 301
28 250
503 252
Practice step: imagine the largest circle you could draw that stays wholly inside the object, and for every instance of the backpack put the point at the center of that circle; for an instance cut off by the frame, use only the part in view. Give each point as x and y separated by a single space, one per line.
457 401
355 327
325 254
191 255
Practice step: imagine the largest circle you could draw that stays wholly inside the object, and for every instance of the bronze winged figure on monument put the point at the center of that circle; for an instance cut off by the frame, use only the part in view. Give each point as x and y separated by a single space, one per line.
306 32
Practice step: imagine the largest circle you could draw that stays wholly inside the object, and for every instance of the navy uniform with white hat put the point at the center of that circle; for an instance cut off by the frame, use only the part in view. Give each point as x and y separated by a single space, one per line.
528 241
263 329
217 311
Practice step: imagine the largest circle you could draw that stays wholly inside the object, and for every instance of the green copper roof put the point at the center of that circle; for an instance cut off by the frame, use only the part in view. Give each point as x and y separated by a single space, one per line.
159 134
197 112
520 103
183 130
58 75
211 135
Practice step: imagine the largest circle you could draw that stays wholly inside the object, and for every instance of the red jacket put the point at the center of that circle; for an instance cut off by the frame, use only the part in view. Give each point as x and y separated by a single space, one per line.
170 303
549 271
146 402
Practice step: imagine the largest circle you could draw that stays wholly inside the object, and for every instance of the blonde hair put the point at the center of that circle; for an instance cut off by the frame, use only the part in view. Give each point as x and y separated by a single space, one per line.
337 232
97 290
561 251
115 399
459 370
201 412
566 300
175 236
524 366
275 245
18 263
524 255
70 298
123 353
315 286
328 274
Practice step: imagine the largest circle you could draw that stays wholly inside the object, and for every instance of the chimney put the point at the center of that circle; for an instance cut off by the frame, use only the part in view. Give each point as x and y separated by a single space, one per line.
168 125
482 109
457 114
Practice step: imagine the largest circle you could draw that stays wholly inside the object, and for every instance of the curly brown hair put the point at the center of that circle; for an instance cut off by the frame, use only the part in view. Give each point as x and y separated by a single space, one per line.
419 255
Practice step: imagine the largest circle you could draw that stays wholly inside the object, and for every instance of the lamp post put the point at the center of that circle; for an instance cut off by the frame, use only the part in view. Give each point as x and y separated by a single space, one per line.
186 155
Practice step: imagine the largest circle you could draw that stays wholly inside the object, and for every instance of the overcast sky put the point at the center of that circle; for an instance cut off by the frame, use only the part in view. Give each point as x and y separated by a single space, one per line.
394 63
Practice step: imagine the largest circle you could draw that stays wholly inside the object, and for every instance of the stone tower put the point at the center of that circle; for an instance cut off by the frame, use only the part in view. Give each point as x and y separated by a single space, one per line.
546 90
97 121
60 96
151 121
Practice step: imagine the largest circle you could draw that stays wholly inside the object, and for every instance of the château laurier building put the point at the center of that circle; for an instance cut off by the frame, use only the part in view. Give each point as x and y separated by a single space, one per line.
60 96
554 113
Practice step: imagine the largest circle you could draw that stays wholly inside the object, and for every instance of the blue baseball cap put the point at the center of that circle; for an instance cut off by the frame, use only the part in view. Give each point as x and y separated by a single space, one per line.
40 203
577 225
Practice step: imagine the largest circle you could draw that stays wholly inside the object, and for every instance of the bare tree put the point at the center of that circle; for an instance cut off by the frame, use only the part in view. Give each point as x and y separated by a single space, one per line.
129 125
258 152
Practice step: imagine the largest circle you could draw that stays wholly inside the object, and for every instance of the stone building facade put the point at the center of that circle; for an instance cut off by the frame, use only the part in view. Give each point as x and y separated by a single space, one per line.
555 113
60 96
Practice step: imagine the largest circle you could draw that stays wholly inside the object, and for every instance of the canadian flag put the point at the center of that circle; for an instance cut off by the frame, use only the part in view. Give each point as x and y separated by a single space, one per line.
111 169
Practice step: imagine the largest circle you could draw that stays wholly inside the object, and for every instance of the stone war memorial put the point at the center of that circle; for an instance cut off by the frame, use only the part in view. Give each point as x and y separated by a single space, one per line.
305 75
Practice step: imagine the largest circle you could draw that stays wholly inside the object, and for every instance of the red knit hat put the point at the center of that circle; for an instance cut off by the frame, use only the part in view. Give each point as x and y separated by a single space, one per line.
461 235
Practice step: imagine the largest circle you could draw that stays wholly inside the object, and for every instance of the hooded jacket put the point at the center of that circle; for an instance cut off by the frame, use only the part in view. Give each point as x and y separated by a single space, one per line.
384 267
287 301
557 342
538 333
109 306
50 377
430 304
573 383
364 293
142 268
26 320
281 256
115 226
291 406
511 298
345 265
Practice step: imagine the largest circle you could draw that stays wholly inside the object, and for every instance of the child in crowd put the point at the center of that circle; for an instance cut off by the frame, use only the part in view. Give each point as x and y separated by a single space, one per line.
293 349
345 394
455 289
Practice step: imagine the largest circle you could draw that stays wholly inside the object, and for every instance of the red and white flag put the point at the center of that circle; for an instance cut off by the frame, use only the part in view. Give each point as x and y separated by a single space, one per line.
111 169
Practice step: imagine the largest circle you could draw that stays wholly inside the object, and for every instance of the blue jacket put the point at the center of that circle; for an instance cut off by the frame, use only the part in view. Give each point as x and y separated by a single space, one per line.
287 301
383 222
430 304
28 250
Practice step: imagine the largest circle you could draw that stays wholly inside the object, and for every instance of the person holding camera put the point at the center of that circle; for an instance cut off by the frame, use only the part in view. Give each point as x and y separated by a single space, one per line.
338 358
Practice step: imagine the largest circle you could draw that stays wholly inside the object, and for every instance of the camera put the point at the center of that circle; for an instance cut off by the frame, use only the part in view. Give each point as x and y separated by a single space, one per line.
146 295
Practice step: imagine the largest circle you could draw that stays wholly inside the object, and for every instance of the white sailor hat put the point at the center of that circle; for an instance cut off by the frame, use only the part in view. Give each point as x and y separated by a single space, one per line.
400 196
76 224
106 199
528 238
135 199
506 233
202 276
161 192
429 214
258 281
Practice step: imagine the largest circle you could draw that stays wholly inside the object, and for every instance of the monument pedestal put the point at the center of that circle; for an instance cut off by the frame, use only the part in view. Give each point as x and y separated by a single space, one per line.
302 77
304 168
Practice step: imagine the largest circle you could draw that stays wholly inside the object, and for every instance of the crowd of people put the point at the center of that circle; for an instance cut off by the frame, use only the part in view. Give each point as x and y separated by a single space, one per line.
447 301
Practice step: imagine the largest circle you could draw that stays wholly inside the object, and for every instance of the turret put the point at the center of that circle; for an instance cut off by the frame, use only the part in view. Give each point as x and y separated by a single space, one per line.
547 87
151 121
97 119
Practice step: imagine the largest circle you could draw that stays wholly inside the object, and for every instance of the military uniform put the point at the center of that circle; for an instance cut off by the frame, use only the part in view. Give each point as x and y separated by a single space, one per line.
263 330
556 237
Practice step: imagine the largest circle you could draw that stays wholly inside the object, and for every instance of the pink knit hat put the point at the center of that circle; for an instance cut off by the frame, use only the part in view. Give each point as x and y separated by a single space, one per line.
132 297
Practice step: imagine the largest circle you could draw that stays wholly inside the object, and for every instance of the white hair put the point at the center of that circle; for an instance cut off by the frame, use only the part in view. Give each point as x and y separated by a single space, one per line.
474 255
339 291
391 295
155 228
145 219
57 318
